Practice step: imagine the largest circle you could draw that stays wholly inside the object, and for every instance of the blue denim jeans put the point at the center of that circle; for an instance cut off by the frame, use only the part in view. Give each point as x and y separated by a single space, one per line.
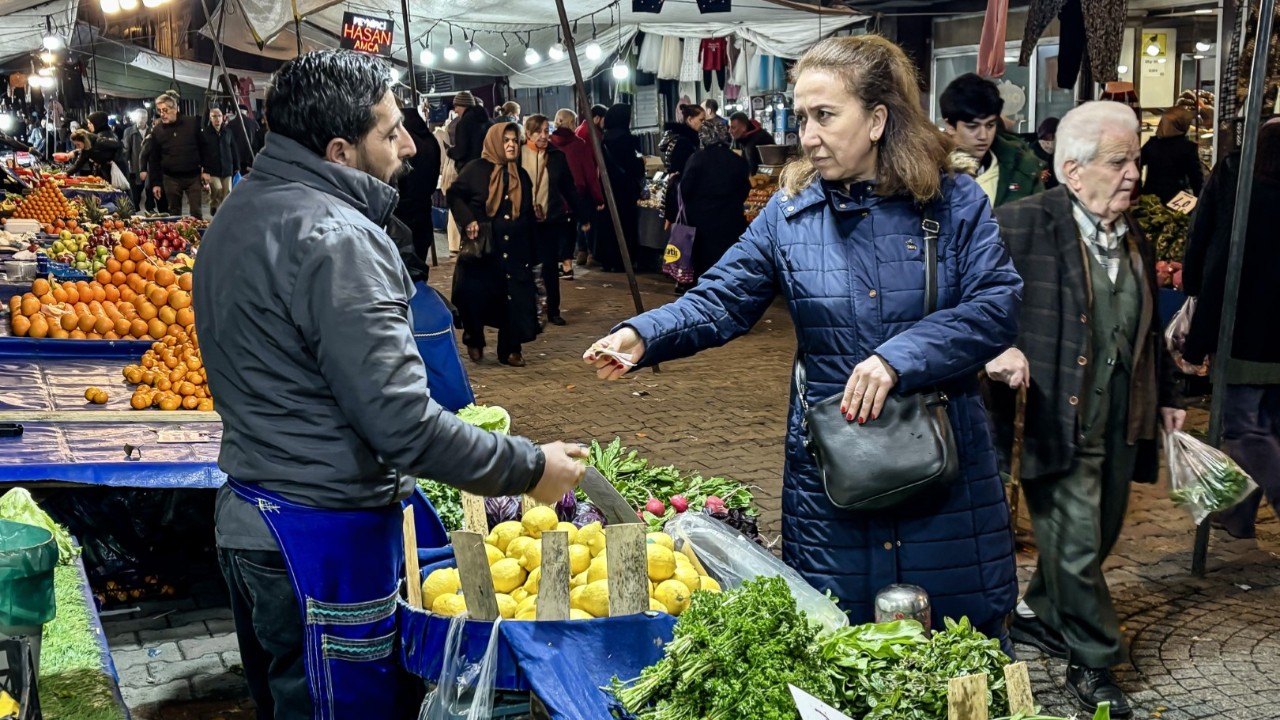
1251 429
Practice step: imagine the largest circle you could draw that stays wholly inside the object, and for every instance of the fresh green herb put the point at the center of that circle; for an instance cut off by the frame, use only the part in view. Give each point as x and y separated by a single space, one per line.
74 685
18 506
1221 487
447 500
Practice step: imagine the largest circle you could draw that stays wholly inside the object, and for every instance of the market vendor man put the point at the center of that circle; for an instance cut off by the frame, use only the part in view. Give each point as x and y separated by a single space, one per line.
302 307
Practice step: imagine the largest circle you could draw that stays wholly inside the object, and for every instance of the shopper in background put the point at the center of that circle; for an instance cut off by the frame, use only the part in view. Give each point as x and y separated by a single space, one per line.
492 200
1100 386
302 312
175 159
508 112
244 132
712 106
842 241
133 138
220 159
94 154
1006 170
1042 146
586 180
419 184
597 118
473 127
1251 420
1171 159
747 136
714 188
625 165
98 123
557 205
155 201
679 143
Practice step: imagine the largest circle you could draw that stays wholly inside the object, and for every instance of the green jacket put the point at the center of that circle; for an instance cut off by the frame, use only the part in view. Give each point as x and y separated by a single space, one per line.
1019 170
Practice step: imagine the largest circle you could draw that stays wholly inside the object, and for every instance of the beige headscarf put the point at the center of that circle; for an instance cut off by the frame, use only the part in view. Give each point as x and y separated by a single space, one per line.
494 153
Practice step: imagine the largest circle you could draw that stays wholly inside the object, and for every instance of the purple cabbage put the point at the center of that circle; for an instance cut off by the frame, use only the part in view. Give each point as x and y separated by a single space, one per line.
567 507
586 513
501 509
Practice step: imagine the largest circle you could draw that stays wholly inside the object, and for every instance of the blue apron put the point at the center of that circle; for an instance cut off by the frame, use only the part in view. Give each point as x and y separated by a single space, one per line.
433 332
345 566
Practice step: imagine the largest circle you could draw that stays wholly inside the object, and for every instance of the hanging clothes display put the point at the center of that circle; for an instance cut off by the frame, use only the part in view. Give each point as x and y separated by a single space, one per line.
690 66
714 54
741 58
1100 39
1272 76
245 88
732 88
991 43
756 85
669 65
650 53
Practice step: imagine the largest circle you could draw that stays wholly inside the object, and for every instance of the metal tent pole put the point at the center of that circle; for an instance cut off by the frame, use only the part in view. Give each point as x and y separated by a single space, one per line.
1235 261
571 47
222 62
408 53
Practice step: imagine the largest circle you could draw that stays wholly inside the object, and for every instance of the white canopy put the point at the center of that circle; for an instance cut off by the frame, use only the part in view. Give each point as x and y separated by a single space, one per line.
23 23
779 29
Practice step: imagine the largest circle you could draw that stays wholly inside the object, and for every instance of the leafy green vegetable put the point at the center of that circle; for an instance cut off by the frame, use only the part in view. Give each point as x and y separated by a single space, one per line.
1221 487
447 500
74 685
1165 228
489 417
18 506
732 656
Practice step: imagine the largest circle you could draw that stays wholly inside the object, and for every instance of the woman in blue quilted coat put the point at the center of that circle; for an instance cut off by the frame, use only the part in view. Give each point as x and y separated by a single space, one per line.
842 242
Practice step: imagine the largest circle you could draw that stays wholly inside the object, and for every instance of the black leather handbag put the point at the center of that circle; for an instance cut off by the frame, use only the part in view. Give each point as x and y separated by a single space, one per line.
479 247
908 451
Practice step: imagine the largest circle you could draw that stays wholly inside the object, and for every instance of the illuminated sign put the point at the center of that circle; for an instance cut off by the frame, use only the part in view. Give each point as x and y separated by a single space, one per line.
366 34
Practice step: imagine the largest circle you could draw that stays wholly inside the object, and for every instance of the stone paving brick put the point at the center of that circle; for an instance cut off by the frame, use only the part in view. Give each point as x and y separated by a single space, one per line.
201 646
142 697
164 672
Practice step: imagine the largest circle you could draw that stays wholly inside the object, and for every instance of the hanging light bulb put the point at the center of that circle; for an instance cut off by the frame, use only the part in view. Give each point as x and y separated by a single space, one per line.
47 57
476 55
1204 46
531 56
152 3
426 57
1153 49
395 75
1122 69
45 71
53 42
506 44
128 5
620 70
450 52
556 52
593 51
110 7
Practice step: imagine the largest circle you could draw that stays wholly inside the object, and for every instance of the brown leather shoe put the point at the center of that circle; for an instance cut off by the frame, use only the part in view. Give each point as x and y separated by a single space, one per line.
476 354
514 360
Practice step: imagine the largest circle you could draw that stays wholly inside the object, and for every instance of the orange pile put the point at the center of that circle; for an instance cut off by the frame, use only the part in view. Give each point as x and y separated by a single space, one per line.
135 297
171 375
45 205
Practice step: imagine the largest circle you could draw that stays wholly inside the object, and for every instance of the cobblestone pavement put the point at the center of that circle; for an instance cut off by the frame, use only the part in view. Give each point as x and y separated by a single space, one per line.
1200 648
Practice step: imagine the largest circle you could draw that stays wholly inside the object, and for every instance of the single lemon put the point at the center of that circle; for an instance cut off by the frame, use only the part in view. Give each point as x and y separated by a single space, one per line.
539 520
578 580
579 558
576 614
661 562
535 577
506 606
532 557
595 598
449 605
494 553
507 575
661 538
504 533
569 529
528 615
674 594
655 605
599 569
519 594
575 597
440 582
688 576
592 535
519 545
529 603
708 584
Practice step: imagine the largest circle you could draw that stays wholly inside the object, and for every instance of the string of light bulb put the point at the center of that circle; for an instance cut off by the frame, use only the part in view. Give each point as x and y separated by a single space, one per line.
555 53
111 7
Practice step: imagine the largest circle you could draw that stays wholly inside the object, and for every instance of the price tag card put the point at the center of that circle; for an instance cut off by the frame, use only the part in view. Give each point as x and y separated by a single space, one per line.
1184 202
811 708
171 437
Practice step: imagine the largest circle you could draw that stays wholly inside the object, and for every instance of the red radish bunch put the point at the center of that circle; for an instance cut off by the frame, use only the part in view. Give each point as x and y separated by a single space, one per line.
655 506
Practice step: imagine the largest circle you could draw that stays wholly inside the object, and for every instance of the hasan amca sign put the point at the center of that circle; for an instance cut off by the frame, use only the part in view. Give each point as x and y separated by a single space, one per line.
366 34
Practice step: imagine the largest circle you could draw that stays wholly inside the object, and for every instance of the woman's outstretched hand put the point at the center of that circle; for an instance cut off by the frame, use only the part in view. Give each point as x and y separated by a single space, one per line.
615 355
868 386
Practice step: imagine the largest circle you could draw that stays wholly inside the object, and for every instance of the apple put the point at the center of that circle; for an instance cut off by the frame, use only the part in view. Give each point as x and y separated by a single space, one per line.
102 251
81 257
164 253
58 247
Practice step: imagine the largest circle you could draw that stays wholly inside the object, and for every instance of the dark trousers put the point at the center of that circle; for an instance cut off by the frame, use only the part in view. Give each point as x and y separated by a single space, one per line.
473 337
1077 517
550 240
269 629
706 78
177 187
1251 428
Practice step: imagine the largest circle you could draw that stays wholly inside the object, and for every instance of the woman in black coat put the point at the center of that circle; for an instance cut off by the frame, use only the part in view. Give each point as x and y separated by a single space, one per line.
678 144
1171 159
624 162
417 187
492 199
96 154
715 187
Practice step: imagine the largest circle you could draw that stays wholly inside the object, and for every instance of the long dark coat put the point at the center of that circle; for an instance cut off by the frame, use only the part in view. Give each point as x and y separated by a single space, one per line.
626 175
497 290
714 186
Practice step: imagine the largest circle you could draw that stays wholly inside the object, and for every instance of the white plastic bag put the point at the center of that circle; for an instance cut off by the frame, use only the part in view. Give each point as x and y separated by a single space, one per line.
1175 338
731 557
465 689
118 179
1202 477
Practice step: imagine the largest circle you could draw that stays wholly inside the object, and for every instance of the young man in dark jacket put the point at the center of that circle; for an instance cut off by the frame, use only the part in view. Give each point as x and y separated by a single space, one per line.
1006 170
302 308
558 206
133 138
747 136
245 134
177 157
221 160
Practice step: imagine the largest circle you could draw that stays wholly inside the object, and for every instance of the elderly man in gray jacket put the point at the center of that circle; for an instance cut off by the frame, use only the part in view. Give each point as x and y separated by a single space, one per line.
302 312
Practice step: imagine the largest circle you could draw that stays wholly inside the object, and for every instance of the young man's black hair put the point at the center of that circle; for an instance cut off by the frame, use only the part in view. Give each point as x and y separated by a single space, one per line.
970 97
599 111
327 94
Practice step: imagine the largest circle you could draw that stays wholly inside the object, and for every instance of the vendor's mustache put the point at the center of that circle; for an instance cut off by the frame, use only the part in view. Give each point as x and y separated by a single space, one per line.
401 172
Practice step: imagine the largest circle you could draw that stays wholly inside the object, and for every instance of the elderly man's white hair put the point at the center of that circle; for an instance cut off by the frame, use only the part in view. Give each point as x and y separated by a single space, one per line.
1080 130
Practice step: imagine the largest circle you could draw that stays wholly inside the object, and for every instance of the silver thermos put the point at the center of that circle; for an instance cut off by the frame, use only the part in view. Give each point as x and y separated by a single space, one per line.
903 602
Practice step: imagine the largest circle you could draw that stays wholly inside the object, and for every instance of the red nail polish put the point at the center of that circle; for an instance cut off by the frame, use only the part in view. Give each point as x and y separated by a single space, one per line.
850 417
862 421
844 410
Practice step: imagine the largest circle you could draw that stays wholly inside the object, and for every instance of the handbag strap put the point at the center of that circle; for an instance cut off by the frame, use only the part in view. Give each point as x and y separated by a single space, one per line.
679 205
931 230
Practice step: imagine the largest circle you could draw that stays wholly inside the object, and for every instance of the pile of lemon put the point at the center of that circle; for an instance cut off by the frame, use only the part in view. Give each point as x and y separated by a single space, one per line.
515 562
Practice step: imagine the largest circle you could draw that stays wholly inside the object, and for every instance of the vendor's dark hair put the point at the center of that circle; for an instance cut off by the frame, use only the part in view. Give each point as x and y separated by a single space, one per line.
689 112
599 111
741 117
327 94
970 97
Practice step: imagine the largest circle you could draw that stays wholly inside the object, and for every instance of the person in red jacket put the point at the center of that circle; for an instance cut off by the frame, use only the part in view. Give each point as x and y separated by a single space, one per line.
586 175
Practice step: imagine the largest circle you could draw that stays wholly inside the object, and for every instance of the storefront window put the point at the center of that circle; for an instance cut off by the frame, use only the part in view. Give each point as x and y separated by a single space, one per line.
1040 96
1051 100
